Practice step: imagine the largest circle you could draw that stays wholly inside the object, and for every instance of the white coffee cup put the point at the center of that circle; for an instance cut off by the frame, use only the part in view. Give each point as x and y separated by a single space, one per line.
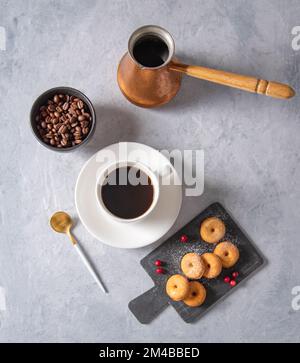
121 164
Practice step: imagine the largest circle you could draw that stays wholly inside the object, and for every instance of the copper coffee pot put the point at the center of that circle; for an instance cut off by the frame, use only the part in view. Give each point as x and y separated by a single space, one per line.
149 75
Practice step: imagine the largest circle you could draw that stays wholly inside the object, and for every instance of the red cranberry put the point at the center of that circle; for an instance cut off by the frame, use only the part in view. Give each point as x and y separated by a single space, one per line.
227 279
232 283
235 275
158 263
160 271
184 238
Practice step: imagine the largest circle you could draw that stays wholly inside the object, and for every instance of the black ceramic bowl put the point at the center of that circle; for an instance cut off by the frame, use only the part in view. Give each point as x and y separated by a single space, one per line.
42 100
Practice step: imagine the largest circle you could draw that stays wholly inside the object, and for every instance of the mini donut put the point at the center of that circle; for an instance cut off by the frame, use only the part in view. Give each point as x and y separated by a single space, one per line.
192 266
212 230
177 287
228 253
213 265
197 294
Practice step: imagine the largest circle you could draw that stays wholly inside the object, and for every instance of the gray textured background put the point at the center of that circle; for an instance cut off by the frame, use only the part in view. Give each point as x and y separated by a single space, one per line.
252 160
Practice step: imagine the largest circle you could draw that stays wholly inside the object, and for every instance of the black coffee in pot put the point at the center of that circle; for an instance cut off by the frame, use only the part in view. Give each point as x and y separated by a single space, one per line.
150 51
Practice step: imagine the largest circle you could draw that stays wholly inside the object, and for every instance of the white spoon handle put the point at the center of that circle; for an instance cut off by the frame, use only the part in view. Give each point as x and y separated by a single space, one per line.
90 268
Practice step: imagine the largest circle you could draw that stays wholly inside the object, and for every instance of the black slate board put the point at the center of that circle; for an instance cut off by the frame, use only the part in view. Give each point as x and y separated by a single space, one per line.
148 305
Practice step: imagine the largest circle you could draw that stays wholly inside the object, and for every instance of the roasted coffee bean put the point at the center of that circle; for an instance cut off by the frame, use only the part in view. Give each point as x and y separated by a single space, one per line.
63 121
80 104
56 99
65 106
57 126
62 129
84 123
51 108
81 118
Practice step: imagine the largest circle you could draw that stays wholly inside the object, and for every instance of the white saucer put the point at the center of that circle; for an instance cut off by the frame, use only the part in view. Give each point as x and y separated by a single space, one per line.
135 234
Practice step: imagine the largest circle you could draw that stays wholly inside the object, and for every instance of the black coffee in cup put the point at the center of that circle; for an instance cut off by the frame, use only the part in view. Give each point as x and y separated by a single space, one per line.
127 192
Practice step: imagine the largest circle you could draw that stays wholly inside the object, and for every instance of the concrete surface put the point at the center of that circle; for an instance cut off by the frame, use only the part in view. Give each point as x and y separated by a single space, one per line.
252 158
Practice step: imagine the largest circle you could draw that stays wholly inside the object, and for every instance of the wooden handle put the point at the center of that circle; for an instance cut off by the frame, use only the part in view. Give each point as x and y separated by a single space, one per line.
246 83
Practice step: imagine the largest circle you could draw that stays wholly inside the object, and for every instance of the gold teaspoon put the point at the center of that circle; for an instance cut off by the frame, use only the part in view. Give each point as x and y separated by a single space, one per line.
61 222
